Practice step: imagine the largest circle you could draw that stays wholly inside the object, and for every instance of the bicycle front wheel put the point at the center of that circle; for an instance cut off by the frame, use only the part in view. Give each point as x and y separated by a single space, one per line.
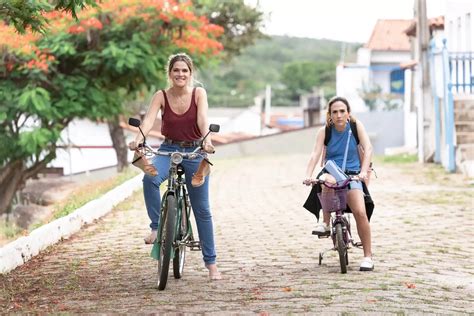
341 248
167 238
180 255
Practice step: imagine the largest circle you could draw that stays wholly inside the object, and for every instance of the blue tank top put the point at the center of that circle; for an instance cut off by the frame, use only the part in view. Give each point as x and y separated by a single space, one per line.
337 146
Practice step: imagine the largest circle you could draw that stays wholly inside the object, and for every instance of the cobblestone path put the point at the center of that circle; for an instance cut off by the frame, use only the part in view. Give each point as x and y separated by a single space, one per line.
422 240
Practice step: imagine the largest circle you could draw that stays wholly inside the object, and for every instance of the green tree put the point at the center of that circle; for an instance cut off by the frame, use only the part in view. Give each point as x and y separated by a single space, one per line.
24 14
302 76
262 63
87 68
242 23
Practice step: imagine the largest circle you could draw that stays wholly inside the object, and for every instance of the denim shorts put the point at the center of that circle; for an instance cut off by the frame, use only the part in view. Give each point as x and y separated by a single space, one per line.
355 185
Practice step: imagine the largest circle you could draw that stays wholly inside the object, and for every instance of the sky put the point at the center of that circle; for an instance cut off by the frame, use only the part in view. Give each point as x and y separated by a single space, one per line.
343 20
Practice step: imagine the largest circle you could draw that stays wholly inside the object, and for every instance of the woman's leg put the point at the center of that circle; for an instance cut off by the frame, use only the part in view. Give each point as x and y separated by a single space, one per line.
199 197
329 178
151 189
355 199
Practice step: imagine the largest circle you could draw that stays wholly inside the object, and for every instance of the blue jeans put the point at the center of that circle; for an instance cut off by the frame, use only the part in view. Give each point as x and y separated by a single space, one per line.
199 198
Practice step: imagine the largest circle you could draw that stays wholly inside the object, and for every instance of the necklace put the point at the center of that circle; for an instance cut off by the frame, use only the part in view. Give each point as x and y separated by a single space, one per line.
180 100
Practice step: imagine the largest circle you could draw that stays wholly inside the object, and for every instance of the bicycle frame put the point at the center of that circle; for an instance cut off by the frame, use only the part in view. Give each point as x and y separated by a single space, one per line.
176 186
339 217
339 221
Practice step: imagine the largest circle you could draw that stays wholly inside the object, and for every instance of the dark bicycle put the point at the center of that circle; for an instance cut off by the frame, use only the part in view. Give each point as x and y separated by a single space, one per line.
175 232
335 202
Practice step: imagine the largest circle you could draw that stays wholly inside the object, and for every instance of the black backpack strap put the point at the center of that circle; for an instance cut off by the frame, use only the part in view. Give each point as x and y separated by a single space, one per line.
354 131
327 135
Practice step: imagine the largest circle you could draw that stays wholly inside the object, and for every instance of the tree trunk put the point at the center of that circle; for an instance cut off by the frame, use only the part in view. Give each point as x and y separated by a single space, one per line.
14 175
10 182
119 144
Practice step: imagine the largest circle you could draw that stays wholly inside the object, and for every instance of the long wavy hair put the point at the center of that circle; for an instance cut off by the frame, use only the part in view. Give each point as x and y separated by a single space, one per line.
331 102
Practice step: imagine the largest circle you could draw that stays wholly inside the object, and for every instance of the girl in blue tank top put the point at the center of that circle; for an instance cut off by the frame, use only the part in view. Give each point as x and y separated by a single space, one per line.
337 147
338 118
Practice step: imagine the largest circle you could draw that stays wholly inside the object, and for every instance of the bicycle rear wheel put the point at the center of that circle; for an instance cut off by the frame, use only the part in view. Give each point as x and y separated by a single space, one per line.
341 248
167 238
180 255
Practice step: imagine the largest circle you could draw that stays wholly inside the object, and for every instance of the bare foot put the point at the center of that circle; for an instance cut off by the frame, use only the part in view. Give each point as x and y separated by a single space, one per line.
214 274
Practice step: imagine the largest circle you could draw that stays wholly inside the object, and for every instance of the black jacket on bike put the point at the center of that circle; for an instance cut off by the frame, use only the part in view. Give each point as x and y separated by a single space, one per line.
313 205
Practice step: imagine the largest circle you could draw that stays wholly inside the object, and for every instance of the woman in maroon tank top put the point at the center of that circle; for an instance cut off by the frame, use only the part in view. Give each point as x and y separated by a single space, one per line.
184 121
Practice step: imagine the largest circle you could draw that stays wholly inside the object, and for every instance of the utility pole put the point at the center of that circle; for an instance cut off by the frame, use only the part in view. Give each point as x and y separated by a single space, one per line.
425 107
268 104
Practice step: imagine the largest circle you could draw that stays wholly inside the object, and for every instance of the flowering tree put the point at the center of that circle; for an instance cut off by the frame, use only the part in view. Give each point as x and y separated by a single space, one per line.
28 14
85 68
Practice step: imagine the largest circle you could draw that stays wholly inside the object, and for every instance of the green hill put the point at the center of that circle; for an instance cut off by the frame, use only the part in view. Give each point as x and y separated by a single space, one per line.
291 65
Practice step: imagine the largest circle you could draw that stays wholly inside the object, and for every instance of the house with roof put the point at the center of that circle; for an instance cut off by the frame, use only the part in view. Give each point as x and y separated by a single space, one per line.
375 86
377 71
445 118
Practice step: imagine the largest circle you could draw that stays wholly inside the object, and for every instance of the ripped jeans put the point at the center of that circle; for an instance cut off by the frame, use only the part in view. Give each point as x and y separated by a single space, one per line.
199 198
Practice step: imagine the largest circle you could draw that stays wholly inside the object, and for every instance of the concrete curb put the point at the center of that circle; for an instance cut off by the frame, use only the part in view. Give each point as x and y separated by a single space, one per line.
23 249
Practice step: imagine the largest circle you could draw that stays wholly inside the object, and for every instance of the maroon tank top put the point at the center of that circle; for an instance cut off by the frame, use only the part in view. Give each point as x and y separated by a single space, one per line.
180 127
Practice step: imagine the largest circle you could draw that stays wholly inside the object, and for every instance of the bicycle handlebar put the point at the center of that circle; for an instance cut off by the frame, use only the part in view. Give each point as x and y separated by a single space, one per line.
198 152
335 185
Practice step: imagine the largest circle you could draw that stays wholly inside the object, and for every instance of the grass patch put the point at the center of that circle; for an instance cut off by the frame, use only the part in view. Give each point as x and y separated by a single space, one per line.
81 196
9 229
91 192
399 159
460 198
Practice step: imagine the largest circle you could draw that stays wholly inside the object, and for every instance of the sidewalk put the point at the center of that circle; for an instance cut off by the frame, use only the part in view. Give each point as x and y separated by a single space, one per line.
267 254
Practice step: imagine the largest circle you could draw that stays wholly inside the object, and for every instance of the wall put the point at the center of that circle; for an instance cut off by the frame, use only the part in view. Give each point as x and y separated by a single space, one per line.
459 25
95 150
385 129
297 141
349 80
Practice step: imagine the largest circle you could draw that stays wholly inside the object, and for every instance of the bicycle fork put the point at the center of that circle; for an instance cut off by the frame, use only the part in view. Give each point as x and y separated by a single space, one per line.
339 218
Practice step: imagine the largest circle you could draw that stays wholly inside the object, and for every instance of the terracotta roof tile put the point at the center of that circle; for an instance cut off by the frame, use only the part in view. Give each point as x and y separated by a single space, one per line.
436 23
390 35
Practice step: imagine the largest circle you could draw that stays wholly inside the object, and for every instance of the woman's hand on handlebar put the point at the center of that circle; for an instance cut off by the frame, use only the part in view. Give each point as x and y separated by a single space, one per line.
209 148
132 145
362 176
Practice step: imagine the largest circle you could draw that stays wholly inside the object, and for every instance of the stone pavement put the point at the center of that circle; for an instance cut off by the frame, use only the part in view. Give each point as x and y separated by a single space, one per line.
422 241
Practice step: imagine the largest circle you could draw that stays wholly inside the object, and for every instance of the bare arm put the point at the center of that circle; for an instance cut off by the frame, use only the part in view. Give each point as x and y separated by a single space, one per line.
367 146
155 105
316 154
202 107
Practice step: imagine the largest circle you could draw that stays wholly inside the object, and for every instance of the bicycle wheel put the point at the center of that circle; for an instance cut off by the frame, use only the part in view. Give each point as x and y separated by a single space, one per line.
180 254
341 248
167 238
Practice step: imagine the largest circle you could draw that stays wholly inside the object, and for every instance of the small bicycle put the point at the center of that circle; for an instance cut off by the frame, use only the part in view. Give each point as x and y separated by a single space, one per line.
174 230
335 202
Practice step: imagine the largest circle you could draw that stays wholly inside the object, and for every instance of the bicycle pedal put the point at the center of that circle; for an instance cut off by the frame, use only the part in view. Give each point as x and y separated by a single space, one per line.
194 245
321 235
358 245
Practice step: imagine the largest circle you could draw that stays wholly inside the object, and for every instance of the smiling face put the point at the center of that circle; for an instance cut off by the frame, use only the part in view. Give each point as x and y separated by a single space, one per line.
179 74
339 114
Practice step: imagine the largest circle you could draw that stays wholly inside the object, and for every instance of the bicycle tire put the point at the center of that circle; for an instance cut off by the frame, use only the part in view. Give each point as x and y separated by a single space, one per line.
167 239
341 248
180 252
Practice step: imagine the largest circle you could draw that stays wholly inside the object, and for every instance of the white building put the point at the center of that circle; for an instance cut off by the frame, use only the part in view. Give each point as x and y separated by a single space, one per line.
377 69
446 123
